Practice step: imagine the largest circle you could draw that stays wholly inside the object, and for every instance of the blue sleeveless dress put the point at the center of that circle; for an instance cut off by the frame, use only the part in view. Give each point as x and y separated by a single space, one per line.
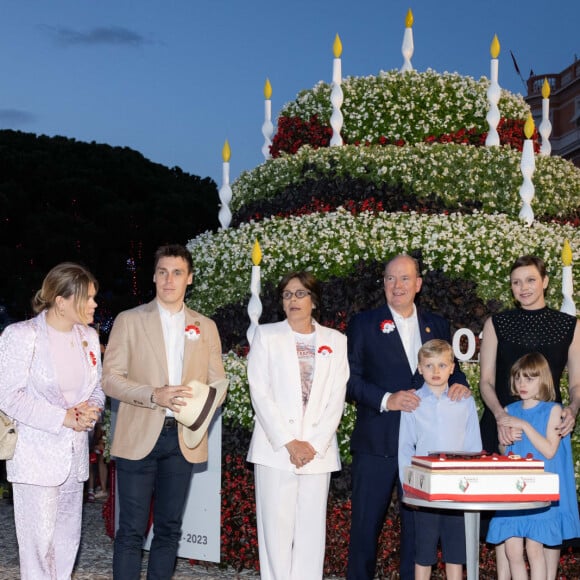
560 521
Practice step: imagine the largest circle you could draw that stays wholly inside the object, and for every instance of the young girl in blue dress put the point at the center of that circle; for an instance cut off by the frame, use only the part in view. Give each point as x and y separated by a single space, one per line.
537 418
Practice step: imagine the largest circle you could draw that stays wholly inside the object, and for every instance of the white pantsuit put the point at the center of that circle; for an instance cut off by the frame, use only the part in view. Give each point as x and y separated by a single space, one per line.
291 541
55 533
290 501
50 461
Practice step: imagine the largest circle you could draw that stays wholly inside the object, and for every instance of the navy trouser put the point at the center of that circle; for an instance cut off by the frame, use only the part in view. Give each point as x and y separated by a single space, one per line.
163 475
373 480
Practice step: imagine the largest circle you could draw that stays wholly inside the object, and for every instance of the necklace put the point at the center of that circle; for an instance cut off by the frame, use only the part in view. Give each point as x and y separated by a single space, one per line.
66 338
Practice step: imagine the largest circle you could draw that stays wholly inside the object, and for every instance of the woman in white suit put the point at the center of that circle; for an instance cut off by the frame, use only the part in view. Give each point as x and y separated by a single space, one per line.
50 384
297 370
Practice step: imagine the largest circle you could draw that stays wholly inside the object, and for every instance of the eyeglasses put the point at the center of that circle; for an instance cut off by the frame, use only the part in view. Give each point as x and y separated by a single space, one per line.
287 295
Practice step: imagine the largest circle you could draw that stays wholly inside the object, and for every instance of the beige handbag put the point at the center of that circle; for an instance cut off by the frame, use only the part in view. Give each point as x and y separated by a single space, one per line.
8 436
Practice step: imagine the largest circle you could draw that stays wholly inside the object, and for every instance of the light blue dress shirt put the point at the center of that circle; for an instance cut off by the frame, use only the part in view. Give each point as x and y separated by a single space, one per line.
438 424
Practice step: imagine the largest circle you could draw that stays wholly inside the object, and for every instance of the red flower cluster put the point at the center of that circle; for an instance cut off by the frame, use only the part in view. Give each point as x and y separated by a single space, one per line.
239 537
338 322
315 206
293 132
321 206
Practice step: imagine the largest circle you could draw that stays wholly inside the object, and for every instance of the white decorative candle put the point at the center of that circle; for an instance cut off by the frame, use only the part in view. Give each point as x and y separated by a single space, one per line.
568 305
267 127
336 96
493 95
255 304
225 192
527 167
545 127
408 46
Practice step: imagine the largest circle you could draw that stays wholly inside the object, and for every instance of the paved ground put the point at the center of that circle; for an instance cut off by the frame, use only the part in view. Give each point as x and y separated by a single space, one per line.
96 552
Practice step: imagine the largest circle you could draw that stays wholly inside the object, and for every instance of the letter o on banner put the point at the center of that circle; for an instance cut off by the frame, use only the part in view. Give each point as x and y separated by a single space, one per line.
464 356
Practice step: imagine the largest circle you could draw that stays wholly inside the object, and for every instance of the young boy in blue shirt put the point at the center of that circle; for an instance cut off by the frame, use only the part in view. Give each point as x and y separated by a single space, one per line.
438 424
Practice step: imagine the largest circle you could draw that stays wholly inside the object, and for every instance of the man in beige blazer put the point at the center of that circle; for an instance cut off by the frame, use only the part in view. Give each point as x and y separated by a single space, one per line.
154 350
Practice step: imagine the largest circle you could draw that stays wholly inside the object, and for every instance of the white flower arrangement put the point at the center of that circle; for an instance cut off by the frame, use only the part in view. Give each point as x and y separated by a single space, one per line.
479 247
238 408
406 107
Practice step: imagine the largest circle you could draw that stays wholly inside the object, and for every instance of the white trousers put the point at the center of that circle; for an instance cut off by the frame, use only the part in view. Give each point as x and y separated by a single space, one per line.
48 527
291 515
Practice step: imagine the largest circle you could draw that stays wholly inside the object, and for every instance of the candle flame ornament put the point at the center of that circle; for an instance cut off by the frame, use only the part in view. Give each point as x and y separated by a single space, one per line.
267 127
256 254
495 47
337 47
255 304
225 192
336 95
545 128
529 127
267 90
568 305
226 152
493 95
408 46
566 254
527 167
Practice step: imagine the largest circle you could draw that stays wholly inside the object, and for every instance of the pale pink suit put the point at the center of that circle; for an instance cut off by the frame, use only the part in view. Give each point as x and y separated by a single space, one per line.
51 462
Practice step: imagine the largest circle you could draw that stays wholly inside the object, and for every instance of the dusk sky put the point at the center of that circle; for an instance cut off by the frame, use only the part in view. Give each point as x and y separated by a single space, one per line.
174 79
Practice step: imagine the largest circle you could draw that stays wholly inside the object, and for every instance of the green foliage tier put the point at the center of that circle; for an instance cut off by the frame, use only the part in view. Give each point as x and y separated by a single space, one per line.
454 175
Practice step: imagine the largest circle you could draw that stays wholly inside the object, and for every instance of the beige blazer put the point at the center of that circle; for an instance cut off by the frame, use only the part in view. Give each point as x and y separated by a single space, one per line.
135 364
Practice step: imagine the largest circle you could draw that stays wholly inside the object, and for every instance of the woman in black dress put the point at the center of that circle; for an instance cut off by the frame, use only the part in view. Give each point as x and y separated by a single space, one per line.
531 327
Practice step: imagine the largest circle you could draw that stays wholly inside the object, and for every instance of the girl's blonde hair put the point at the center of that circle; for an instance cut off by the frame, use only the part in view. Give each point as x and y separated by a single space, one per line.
66 280
533 365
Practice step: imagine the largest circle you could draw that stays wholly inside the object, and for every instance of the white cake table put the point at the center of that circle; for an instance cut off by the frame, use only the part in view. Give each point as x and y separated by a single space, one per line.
471 511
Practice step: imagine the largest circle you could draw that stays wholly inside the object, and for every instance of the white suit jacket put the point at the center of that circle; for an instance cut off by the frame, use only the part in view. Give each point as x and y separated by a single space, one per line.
30 394
276 392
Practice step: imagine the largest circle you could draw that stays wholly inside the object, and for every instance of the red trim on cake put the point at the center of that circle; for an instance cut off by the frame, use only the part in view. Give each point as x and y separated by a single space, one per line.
412 491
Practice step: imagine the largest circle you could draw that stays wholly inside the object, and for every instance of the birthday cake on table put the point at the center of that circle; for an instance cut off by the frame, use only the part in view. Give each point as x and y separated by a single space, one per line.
480 477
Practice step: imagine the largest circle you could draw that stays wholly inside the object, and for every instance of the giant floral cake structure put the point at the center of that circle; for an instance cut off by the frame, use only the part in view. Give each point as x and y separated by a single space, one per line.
414 176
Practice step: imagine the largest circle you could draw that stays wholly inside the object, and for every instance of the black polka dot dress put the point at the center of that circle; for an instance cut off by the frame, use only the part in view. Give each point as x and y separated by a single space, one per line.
520 332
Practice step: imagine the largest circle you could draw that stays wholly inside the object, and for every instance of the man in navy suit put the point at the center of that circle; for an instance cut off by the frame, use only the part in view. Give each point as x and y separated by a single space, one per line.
382 352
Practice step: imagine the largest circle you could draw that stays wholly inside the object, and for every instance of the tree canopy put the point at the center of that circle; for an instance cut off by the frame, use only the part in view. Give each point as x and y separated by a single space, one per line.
108 208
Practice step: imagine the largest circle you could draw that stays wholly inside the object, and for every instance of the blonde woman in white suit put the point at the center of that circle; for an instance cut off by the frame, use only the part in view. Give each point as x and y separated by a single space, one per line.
50 383
297 370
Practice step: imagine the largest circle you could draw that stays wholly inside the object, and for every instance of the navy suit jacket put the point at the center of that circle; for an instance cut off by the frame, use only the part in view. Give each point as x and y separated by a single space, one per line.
378 364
